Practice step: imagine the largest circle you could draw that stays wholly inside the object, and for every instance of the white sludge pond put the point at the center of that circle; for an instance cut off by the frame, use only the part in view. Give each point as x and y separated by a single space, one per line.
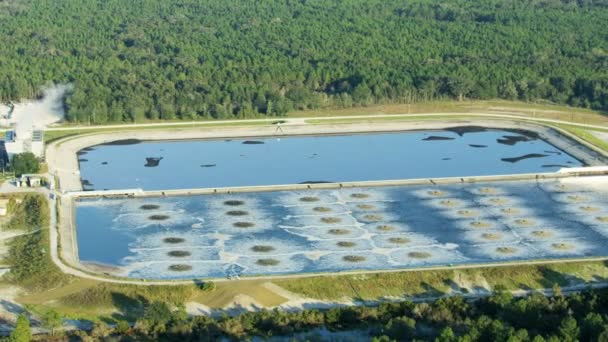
290 232
456 152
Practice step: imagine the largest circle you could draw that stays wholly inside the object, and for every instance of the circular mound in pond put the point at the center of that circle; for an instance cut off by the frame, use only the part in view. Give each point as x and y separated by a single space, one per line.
488 191
234 203
399 240
449 203
385 228
436 193
237 213
267 262
506 250
338 231
353 258
524 222
373 217
173 240
359 195
542 233
491 236
366 206
509 211
180 268
480 224
577 198
262 249
243 224
149 207
331 220
562 246
589 208
603 219
321 209
179 254
419 255
499 200
346 244
309 199
467 213
158 217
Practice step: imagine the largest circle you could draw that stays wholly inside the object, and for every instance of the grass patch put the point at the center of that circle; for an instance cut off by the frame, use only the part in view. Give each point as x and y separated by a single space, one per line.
399 240
353 258
331 220
309 199
158 217
338 231
506 250
149 207
29 254
322 209
419 255
346 244
237 213
428 283
173 240
262 249
234 203
267 262
242 224
179 268
179 254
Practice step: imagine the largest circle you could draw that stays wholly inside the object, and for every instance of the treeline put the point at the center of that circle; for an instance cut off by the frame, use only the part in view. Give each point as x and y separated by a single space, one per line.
189 59
501 317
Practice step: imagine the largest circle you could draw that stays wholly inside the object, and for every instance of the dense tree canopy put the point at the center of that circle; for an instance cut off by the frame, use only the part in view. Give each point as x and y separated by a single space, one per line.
24 163
191 59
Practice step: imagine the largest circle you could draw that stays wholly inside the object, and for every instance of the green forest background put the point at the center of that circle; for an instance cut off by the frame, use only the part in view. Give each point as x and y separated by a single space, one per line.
189 59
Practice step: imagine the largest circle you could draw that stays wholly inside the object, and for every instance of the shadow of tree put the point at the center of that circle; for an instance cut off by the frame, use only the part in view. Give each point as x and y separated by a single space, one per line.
129 307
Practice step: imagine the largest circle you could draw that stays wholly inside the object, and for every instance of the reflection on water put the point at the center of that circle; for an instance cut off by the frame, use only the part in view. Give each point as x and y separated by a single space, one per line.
344 229
456 152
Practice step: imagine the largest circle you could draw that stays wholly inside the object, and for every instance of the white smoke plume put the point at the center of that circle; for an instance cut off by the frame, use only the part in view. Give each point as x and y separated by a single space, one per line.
30 115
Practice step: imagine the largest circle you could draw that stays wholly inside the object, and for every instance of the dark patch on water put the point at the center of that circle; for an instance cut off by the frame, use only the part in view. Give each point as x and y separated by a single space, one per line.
85 182
511 140
123 142
208 165
252 142
569 162
529 134
315 182
81 153
526 156
478 146
436 138
446 158
88 149
153 161
554 165
82 160
462 130
554 152
104 163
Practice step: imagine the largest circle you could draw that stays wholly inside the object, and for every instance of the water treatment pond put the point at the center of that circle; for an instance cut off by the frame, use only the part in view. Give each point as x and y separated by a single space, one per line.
312 231
164 165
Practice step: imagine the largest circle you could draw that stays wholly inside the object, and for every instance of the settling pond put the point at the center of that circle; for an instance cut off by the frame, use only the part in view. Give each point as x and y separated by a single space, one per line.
457 152
291 232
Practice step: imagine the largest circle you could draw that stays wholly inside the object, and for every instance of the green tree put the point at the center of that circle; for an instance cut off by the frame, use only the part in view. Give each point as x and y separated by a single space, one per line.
51 320
22 331
23 163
